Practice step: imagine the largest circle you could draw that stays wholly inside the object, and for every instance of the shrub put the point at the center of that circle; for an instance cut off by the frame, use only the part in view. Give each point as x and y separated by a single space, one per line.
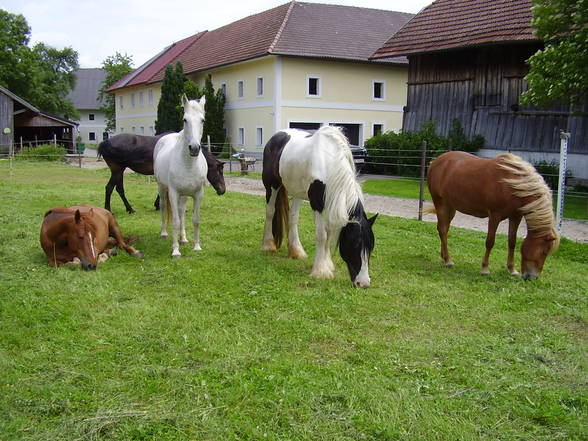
400 153
46 152
550 172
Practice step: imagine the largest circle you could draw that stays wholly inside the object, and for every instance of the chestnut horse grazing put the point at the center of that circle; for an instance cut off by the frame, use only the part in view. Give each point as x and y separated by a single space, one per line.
80 234
505 187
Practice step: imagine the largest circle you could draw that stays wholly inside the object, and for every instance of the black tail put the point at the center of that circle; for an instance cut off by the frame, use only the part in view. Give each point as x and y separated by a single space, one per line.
280 219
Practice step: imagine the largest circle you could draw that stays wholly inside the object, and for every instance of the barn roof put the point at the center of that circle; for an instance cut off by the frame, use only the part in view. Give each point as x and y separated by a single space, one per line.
451 24
85 93
295 29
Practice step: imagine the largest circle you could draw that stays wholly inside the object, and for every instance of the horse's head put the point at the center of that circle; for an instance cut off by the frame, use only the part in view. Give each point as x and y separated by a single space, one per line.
534 251
80 240
215 173
356 243
193 123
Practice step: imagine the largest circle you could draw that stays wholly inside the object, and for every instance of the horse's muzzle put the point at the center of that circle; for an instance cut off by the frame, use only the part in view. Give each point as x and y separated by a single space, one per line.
221 191
88 266
194 150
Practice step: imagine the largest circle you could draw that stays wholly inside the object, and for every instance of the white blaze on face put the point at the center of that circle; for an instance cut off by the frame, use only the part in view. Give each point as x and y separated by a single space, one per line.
91 240
362 280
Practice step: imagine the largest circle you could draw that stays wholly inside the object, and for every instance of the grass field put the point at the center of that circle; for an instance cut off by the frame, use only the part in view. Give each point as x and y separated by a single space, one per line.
234 344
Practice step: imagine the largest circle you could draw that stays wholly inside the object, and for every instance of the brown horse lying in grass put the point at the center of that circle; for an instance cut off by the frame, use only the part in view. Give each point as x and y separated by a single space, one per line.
80 234
505 187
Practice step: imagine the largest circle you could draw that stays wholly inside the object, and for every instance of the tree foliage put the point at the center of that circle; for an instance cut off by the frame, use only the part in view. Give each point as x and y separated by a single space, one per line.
169 110
559 72
41 75
116 67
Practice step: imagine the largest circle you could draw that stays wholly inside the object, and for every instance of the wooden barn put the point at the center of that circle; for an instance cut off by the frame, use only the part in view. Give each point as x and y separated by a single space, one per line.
22 123
467 62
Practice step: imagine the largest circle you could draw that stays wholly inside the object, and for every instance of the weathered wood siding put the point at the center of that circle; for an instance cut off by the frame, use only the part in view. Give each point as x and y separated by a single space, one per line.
481 88
6 119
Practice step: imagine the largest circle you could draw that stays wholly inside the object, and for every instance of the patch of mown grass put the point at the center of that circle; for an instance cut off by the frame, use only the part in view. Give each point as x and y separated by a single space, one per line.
232 343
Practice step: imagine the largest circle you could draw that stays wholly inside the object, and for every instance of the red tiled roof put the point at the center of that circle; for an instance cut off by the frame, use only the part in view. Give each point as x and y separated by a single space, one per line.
449 24
295 28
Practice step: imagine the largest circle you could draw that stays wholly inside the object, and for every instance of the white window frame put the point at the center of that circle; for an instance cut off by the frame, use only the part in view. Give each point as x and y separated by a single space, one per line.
224 88
319 86
240 89
133 129
383 83
133 100
240 136
150 97
259 136
151 130
122 101
259 81
381 123
141 99
142 130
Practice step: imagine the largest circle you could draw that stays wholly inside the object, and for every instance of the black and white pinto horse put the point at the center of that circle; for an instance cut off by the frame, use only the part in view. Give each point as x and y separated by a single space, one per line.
319 168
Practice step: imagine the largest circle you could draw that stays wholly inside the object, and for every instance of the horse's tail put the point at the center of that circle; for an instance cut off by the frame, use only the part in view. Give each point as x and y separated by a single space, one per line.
280 219
429 210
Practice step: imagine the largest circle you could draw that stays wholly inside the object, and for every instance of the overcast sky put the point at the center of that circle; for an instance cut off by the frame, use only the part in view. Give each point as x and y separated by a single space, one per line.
142 28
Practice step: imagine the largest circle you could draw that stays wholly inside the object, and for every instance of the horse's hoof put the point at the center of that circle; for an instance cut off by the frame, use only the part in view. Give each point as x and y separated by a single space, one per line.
449 264
296 253
102 257
197 248
113 252
184 242
139 254
176 256
485 272
164 235
322 274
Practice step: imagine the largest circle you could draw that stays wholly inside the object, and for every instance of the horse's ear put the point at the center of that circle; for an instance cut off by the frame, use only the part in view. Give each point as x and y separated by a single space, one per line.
203 100
372 219
184 99
77 216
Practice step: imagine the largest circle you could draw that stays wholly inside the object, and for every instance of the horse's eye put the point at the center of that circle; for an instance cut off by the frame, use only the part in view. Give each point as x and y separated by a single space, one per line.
185 120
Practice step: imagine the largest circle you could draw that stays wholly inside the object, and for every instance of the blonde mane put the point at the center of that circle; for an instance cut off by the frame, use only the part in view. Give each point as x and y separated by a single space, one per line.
527 183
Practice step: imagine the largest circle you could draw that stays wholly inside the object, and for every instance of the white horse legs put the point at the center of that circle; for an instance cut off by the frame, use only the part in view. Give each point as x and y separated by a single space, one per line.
295 249
323 266
177 206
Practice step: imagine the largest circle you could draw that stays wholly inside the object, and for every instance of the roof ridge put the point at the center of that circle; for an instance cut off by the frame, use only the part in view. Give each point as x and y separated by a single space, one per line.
282 26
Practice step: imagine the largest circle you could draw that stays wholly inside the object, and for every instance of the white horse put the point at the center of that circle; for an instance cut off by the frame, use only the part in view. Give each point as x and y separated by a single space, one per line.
318 168
181 171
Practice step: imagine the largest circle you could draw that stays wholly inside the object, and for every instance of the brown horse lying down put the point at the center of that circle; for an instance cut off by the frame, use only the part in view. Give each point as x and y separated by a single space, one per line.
505 187
80 234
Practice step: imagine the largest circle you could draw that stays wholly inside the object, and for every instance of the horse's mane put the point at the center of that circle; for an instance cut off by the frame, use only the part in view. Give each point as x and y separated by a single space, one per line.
342 201
527 183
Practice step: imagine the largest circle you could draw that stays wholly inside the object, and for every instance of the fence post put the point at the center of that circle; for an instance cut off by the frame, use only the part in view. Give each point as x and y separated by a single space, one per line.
422 186
54 140
563 159
208 141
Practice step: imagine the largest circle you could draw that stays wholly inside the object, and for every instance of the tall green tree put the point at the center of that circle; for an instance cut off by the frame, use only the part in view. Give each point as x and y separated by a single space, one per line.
116 66
41 75
169 109
559 72
215 111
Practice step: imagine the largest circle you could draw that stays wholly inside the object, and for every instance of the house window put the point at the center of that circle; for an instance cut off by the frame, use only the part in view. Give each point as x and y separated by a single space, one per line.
259 136
92 136
223 88
313 86
241 136
240 89
122 129
121 101
377 129
259 86
151 130
133 129
141 102
133 100
142 130
150 97
378 90
91 117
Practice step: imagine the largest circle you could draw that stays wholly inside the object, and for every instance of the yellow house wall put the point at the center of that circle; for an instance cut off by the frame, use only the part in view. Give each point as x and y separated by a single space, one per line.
141 115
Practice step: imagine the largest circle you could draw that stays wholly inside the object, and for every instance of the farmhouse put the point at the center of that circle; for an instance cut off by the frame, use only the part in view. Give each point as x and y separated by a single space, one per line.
84 97
467 62
297 65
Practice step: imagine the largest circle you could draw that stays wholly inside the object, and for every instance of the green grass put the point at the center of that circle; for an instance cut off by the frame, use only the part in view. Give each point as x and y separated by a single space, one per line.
575 207
234 344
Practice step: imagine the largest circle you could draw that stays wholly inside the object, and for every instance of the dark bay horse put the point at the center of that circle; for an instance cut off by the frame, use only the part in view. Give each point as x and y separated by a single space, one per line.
505 187
319 168
136 152
80 234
